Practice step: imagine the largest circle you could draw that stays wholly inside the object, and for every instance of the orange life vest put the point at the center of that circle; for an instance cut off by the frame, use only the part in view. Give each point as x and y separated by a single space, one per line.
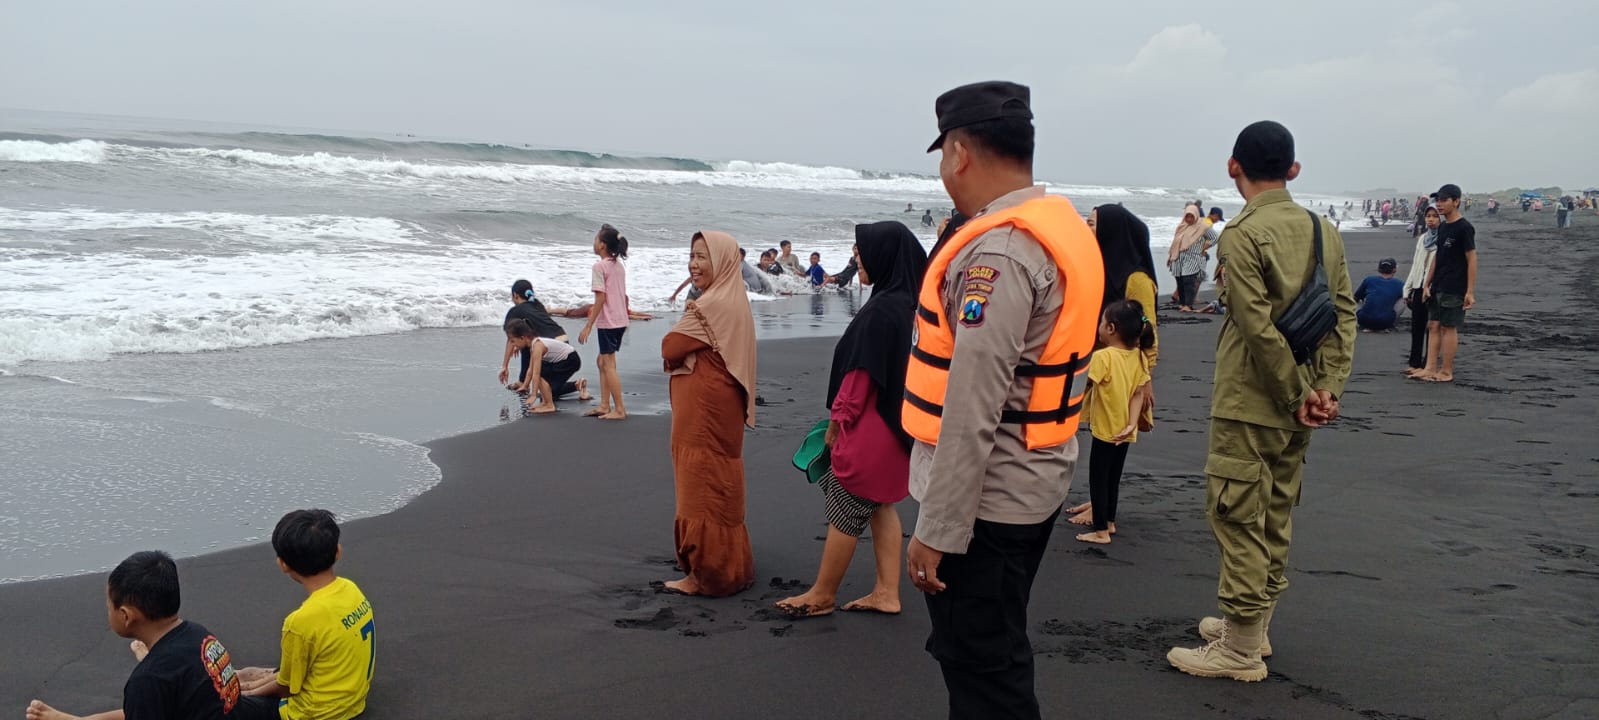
1051 416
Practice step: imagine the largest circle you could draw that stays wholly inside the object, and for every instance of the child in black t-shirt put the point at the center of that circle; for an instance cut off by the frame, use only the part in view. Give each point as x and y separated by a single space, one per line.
184 672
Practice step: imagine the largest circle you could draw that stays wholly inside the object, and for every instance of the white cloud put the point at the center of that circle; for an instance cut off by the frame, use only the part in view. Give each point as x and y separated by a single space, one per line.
1190 47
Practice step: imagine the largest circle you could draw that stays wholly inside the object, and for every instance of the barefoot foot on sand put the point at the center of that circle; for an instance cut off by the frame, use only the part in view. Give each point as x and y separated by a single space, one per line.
40 711
1085 517
583 391
1111 527
1073 510
1098 538
808 605
686 586
1439 378
880 601
614 416
542 410
596 412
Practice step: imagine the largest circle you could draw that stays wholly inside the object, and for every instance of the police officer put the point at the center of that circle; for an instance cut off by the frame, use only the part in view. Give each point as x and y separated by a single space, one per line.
1264 403
1006 321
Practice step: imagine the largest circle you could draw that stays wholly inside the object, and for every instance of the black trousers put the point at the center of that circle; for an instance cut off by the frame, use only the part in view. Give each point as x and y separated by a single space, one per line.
1418 330
979 622
1188 289
1105 462
559 375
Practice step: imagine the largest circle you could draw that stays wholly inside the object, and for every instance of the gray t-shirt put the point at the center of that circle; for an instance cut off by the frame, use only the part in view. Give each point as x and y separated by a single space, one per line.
755 280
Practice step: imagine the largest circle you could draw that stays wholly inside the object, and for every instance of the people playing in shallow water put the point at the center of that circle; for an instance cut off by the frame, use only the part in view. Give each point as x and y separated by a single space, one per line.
927 219
1118 379
554 364
755 281
788 260
710 356
609 313
817 275
870 450
526 306
1379 297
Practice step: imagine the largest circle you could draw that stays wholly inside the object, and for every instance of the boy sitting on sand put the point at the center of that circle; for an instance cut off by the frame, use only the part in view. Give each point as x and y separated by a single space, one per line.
184 672
329 643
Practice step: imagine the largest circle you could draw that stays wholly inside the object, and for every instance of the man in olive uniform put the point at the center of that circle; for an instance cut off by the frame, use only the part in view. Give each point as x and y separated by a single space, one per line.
988 503
1264 403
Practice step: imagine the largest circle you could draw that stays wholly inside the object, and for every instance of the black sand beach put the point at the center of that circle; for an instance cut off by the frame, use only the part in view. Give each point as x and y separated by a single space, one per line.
1443 564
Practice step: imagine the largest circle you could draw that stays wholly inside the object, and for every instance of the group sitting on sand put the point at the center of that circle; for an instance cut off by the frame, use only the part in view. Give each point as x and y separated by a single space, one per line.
329 647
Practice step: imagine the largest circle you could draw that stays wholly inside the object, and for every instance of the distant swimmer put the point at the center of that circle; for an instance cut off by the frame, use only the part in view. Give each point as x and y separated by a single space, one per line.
788 260
910 207
927 219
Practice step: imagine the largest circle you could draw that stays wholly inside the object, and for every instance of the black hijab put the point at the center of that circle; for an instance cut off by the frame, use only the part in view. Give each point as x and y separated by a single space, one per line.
878 340
1124 243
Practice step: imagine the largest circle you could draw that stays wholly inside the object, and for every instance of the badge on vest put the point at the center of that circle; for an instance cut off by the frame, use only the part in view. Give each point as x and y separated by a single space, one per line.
974 295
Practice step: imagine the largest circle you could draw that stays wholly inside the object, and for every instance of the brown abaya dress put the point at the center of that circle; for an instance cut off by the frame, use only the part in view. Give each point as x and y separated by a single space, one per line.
708 413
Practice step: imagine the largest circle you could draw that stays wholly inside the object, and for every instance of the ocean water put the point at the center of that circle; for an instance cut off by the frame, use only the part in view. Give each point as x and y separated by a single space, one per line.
202 326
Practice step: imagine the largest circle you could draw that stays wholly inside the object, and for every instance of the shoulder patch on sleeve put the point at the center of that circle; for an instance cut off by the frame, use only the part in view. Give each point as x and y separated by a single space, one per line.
976 288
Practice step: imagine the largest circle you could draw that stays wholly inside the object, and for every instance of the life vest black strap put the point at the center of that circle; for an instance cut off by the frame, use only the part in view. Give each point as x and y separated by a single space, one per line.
1039 417
1070 367
942 363
928 316
925 406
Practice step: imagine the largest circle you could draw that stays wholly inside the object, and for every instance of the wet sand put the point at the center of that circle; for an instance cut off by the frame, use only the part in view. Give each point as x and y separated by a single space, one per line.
1442 566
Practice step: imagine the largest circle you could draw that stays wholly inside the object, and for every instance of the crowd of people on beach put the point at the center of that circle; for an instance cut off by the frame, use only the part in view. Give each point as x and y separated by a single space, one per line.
961 382
963 379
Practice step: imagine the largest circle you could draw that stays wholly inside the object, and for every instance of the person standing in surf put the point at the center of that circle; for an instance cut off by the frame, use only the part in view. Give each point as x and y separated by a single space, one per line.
609 314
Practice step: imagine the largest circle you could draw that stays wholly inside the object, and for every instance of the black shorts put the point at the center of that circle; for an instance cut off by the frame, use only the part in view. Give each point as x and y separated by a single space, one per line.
611 340
254 707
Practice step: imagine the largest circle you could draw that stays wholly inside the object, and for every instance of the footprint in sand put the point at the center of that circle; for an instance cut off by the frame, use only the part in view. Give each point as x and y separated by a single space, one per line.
663 619
1457 548
1490 590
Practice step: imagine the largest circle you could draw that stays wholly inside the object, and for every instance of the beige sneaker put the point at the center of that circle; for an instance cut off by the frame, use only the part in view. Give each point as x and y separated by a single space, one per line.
1210 630
1235 654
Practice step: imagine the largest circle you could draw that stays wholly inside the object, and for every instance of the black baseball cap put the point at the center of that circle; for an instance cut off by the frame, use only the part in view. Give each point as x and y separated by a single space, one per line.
1265 150
1387 265
980 102
1449 190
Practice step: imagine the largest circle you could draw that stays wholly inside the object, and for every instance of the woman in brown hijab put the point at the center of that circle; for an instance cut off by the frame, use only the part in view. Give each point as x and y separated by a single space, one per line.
710 355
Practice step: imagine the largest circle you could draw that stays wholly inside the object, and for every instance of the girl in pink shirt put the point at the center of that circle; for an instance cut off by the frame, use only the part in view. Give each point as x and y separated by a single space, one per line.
609 314
870 451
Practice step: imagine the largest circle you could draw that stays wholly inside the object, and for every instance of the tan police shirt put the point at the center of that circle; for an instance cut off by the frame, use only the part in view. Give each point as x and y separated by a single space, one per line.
982 469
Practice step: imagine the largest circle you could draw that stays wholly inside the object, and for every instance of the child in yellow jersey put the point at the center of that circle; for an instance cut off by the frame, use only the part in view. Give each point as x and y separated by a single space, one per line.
1117 375
330 642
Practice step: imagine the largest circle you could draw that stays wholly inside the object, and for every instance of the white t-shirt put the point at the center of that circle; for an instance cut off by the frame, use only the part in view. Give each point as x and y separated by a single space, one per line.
555 350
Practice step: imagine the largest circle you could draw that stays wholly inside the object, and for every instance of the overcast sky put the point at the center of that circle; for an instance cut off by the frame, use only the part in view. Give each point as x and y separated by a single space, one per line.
1486 94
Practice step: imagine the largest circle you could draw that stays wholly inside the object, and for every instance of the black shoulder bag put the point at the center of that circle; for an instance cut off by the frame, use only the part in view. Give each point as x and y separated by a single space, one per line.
1311 317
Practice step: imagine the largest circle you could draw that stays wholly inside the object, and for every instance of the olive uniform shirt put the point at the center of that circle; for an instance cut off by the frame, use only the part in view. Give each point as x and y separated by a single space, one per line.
1269 253
981 469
